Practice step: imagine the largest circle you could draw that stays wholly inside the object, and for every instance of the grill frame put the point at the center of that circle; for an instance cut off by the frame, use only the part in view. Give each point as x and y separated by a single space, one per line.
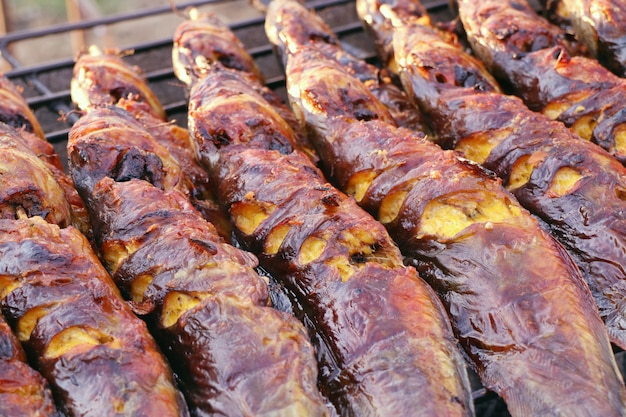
46 85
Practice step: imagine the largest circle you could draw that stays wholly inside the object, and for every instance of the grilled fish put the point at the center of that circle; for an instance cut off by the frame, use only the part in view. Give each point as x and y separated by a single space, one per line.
289 26
600 26
379 355
105 77
201 297
483 253
97 355
27 186
23 127
572 185
23 391
383 342
531 57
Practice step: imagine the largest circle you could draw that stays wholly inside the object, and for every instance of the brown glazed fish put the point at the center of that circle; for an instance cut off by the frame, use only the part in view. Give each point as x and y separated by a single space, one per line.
100 80
27 186
531 57
23 391
203 300
14 112
203 40
599 24
383 342
97 355
517 302
289 26
571 184
118 81
574 186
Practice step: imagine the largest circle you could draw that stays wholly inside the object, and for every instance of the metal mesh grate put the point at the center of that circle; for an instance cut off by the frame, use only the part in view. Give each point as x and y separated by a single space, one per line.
47 86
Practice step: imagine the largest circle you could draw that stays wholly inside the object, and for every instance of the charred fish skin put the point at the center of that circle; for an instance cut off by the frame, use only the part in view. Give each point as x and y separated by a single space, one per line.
571 184
23 391
97 355
27 186
206 305
110 142
119 85
20 124
289 26
531 57
599 25
201 297
487 256
14 110
203 41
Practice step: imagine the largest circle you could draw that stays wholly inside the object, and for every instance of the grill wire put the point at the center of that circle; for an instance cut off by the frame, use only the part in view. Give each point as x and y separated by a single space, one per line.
47 86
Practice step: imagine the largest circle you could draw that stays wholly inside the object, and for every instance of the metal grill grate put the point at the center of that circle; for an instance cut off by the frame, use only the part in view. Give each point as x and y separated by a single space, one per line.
47 86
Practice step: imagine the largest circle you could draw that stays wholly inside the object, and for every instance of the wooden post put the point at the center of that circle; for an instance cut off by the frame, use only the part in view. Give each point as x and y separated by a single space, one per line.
4 18
5 28
74 14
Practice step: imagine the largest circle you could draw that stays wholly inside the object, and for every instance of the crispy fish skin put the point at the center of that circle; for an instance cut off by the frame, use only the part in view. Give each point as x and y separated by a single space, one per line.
99 80
574 186
202 41
206 305
14 110
385 346
378 355
27 186
383 341
89 93
201 297
110 142
97 355
289 26
531 57
15 113
484 254
23 391
599 24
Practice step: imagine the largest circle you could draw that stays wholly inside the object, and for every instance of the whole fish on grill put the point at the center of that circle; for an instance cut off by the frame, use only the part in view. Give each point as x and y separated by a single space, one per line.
572 185
96 354
383 342
531 58
208 308
486 256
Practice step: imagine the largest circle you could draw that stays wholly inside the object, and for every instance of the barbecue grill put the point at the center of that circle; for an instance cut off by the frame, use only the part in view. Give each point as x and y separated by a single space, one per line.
46 86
